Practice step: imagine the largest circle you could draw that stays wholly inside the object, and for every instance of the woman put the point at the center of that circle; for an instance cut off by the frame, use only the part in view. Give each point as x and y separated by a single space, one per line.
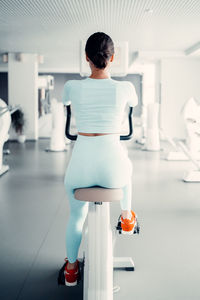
98 157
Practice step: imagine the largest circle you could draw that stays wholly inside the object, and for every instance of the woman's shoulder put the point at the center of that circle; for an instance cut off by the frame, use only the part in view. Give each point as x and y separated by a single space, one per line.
73 83
124 83
128 83
69 82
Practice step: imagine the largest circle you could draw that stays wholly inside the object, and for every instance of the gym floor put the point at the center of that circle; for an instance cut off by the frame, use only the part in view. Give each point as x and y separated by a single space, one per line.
34 212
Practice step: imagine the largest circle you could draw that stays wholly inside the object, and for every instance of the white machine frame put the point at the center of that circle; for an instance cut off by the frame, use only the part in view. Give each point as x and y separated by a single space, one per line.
191 175
177 154
98 254
182 153
5 109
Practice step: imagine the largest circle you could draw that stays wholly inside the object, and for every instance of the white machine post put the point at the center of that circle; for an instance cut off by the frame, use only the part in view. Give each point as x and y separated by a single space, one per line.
153 135
98 269
98 255
57 142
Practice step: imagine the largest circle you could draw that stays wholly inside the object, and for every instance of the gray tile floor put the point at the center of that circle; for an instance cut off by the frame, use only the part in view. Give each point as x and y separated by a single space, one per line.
34 212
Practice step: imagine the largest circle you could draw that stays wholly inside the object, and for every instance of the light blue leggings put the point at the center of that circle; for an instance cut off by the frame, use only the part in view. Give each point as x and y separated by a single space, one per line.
97 160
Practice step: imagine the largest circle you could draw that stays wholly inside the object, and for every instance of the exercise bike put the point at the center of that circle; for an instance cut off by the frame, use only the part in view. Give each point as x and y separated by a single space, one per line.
5 122
98 261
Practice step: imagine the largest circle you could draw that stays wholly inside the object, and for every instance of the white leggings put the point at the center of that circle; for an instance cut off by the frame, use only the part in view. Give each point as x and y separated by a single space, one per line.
96 161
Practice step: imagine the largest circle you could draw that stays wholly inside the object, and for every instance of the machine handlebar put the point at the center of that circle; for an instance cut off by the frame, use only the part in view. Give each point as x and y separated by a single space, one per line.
74 137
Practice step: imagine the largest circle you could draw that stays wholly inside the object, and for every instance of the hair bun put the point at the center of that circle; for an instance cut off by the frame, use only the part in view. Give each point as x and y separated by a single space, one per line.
99 48
100 53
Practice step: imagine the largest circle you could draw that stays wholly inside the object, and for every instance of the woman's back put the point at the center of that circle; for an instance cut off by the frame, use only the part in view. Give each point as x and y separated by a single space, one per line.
99 104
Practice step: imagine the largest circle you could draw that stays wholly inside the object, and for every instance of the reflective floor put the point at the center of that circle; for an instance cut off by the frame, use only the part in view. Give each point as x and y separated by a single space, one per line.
34 212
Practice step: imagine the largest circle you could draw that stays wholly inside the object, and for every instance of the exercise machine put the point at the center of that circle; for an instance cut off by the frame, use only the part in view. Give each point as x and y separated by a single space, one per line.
152 142
45 85
150 135
182 153
98 260
176 153
191 175
5 121
190 114
57 141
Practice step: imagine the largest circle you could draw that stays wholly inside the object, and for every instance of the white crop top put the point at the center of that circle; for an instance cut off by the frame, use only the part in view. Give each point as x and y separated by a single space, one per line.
98 104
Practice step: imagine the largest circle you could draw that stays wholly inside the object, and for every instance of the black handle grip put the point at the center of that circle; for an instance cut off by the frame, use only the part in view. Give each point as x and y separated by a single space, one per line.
67 127
74 137
130 121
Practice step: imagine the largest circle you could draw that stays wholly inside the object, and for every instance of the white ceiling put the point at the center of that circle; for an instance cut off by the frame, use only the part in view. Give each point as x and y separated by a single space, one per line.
58 25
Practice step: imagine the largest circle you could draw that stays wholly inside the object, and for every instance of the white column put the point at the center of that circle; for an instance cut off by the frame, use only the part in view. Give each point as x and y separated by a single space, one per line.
22 89
98 272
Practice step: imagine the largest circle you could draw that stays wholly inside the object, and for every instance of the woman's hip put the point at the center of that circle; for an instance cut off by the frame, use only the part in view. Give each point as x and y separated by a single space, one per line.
99 157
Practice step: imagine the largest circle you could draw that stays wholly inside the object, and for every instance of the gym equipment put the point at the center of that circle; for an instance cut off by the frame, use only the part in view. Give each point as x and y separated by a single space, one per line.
98 261
182 153
152 142
191 117
141 140
45 84
192 175
176 153
74 137
5 121
57 142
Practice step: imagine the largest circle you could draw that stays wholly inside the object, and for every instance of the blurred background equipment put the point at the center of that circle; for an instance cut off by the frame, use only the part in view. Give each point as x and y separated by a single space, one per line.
57 141
5 122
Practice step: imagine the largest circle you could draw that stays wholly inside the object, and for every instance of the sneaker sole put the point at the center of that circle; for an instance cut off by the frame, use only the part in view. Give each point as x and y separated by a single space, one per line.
70 283
128 232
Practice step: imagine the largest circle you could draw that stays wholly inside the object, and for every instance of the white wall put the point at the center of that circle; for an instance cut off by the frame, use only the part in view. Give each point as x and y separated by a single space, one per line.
180 79
61 62
22 90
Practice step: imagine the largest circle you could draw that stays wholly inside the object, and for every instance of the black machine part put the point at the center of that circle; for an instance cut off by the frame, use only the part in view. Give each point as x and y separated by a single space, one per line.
74 137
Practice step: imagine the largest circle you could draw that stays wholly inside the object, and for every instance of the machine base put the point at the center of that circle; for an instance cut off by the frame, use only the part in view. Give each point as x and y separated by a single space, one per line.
192 176
123 263
178 155
4 169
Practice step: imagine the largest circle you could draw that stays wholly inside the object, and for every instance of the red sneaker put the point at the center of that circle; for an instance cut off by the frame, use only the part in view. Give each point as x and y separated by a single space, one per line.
71 276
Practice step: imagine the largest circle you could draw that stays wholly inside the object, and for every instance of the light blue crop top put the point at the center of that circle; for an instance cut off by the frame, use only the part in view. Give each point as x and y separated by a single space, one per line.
98 104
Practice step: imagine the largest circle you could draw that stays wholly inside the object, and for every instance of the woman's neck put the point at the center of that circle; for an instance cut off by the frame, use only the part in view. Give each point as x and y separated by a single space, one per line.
100 74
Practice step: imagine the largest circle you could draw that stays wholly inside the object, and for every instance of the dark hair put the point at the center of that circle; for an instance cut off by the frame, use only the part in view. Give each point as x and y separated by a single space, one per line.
99 48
